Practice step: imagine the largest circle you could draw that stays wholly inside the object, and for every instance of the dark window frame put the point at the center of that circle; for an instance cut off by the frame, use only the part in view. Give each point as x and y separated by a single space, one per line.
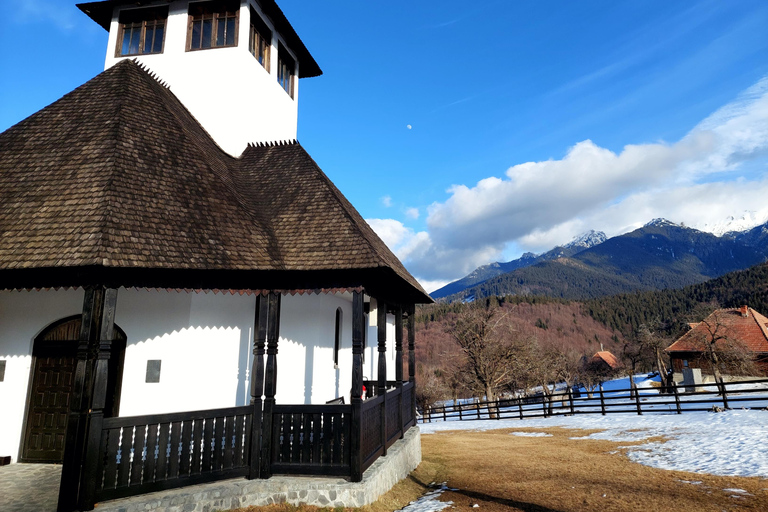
286 70
140 22
214 12
259 39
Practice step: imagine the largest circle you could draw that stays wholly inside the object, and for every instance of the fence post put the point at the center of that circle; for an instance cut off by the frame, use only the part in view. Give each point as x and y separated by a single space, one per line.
570 399
677 398
478 408
498 409
602 398
725 395
637 399
460 416
544 403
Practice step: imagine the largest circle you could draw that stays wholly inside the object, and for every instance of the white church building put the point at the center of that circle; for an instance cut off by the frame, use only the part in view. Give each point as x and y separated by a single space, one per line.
167 245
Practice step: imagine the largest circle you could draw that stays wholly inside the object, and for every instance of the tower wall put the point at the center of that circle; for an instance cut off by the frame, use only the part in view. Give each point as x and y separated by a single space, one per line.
227 90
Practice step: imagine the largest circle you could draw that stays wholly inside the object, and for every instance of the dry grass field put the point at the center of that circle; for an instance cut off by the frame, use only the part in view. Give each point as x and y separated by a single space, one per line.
500 472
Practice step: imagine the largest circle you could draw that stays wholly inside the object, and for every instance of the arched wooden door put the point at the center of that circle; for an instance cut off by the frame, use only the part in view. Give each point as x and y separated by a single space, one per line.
54 358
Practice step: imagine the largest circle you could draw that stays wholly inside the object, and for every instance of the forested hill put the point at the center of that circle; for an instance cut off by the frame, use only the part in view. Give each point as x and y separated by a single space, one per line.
671 309
660 255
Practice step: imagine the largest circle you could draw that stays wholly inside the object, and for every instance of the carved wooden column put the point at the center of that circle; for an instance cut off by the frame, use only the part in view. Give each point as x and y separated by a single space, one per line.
270 383
257 383
356 423
399 365
381 322
106 331
381 386
88 391
412 355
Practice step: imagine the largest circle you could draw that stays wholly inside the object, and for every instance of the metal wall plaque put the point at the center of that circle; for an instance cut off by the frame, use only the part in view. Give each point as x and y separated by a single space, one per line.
153 371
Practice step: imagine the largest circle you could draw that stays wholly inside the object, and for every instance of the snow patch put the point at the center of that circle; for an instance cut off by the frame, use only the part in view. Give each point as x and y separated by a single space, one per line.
530 434
429 502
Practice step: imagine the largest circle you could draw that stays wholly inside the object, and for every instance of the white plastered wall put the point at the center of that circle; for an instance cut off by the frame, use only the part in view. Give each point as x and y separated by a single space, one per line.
371 364
232 96
204 343
23 315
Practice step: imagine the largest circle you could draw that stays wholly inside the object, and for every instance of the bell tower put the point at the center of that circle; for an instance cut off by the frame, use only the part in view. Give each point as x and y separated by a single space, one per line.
235 64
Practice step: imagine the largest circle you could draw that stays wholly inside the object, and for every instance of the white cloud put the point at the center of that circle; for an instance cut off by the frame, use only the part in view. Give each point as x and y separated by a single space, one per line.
386 201
412 213
718 169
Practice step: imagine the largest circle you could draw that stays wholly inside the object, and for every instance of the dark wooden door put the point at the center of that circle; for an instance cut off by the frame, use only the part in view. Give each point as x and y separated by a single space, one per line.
49 406
54 362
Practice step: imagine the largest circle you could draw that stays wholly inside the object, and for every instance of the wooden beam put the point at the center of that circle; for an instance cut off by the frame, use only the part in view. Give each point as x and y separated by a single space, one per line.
381 329
412 355
257 383
270 383
381 386
95 420
399 366
356 400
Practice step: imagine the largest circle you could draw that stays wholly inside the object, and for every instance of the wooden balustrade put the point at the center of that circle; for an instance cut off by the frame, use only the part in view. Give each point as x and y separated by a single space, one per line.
150 453
143 454
311 439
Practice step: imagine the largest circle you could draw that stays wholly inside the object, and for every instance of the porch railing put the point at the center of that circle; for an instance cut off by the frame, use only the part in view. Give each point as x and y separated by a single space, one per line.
311 439
142 454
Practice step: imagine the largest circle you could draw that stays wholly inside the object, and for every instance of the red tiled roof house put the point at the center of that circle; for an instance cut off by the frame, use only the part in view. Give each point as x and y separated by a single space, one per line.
739 329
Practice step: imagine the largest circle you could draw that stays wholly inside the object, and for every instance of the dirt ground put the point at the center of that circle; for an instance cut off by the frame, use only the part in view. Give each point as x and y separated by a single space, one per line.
496 471
499 471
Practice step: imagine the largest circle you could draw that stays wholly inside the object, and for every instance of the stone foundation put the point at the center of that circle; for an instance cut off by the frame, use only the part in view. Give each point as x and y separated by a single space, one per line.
401 459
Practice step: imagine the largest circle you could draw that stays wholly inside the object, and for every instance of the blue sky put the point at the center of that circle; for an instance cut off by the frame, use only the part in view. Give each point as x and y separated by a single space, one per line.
469 132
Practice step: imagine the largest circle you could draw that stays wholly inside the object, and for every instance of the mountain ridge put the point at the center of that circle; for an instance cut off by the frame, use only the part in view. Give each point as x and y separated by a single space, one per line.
659 255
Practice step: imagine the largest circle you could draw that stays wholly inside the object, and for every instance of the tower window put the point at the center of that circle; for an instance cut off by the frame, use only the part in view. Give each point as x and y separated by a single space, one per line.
141 31
286 69
260 40
213 24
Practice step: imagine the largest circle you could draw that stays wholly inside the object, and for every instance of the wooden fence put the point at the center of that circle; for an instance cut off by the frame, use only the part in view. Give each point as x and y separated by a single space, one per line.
678 399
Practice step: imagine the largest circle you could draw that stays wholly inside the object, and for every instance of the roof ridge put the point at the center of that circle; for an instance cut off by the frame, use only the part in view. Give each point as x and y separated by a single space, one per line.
347 209
761 325
107 210
272 143
142 66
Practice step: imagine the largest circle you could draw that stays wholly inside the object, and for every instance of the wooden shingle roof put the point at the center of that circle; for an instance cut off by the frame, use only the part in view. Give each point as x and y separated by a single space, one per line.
116 181
742 324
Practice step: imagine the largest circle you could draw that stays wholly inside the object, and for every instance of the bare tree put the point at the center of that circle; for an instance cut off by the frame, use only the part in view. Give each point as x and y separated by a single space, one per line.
720 346
490 346
430 388
653 344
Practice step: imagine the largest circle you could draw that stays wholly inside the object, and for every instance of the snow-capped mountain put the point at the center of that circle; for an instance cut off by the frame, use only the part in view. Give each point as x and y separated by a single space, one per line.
587 240
733 224
485 272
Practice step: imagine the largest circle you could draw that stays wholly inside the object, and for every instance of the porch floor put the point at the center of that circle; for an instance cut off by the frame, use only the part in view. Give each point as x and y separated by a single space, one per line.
29 487
35 487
